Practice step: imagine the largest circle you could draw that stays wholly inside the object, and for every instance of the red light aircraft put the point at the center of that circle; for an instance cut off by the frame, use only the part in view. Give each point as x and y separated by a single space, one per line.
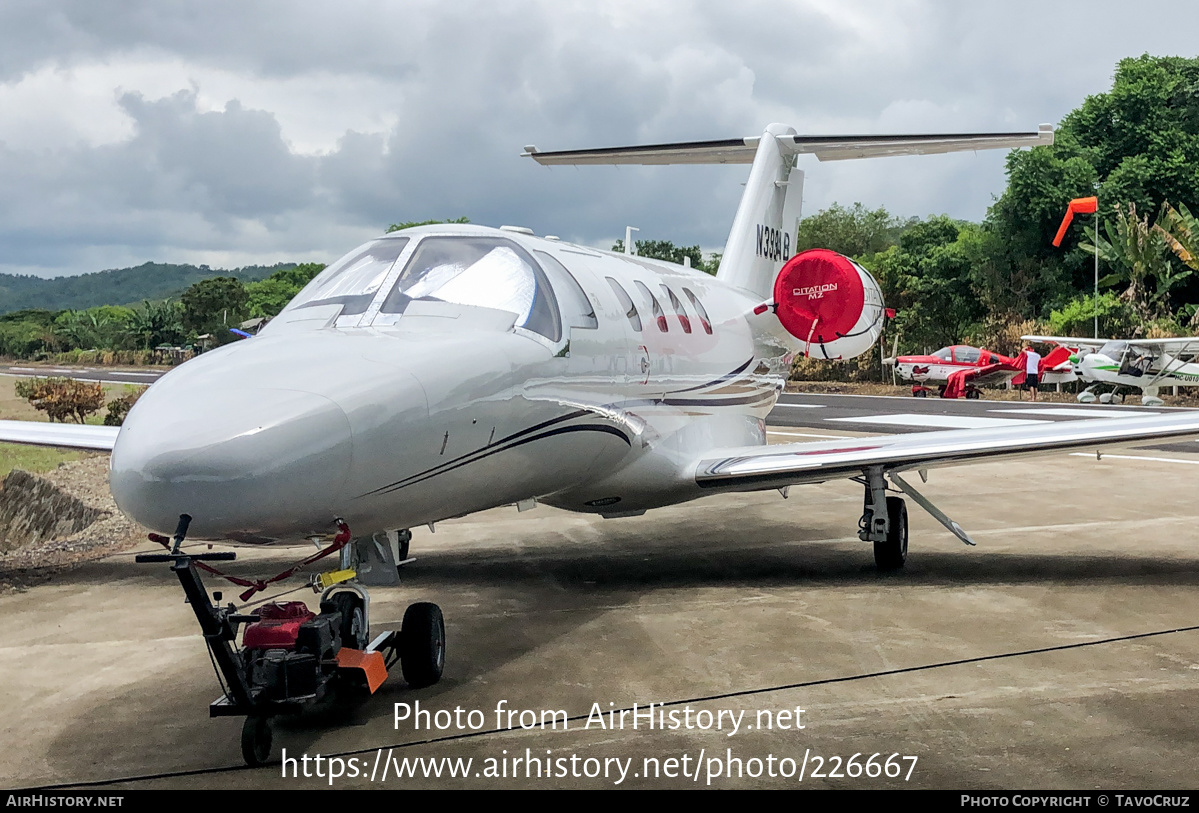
960 370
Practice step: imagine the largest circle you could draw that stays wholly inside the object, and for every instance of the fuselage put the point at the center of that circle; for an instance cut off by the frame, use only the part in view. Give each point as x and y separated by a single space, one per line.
1126 364
445 370
937 367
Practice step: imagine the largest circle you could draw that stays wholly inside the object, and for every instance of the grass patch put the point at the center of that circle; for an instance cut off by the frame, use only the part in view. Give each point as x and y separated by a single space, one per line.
35 459
13 408
39 459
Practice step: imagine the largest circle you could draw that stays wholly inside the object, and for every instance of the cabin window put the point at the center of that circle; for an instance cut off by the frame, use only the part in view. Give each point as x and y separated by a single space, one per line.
627 303
678 309
699 309
577 310
659 314
352 281
966 355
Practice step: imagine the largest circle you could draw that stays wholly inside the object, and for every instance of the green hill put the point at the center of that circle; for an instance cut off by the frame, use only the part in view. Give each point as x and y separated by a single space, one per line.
118 286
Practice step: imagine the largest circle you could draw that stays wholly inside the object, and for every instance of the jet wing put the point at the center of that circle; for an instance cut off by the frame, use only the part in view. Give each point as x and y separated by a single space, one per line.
760 467
67 435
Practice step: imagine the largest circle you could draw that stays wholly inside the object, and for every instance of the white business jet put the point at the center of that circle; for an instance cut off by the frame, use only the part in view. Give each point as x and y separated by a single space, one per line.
443 370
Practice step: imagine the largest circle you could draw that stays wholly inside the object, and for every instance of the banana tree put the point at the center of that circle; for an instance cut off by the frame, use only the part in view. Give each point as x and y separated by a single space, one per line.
1138 253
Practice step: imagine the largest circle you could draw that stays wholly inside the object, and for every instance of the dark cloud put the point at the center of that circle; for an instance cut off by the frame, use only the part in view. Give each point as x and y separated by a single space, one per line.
210 168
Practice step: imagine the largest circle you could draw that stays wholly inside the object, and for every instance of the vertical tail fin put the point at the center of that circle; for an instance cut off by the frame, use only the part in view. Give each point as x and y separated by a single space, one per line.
760 240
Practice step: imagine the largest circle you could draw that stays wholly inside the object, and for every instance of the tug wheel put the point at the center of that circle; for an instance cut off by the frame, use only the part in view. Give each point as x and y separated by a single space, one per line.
354 632
893 552
256 741
422 644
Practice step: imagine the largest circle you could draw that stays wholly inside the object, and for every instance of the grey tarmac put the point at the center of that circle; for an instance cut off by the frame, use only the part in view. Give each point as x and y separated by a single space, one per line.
1027 662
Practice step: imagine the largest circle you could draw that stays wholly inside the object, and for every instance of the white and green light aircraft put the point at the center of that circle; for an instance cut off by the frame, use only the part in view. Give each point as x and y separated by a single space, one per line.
1146 365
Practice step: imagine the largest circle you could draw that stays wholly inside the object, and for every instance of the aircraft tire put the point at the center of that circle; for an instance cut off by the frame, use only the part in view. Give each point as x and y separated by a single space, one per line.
256 741
354 631
422 644
921 393
893 552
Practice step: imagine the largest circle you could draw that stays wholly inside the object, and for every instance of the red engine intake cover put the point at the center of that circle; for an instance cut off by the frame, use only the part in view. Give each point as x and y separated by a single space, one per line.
279 627
819 295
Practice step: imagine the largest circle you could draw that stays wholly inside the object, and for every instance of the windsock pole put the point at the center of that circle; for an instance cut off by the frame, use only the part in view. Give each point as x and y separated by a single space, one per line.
1096 271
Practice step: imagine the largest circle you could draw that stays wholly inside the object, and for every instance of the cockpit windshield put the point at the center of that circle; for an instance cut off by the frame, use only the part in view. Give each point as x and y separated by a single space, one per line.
485 272
965 354
352 281
945 353
1113 350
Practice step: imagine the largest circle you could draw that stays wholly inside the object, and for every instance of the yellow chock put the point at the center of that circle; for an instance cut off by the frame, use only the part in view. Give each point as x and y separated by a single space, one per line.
332 577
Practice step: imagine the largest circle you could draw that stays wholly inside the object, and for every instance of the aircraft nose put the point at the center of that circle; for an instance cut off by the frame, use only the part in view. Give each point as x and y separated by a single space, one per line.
253 466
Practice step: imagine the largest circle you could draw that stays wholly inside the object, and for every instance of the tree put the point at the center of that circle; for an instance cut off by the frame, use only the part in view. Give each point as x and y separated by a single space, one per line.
298 275
1136 144
271 295
927 278
267 298
104 327
62 398
1138 255
667 251
855 232
413 223
156 323
213 306
119 407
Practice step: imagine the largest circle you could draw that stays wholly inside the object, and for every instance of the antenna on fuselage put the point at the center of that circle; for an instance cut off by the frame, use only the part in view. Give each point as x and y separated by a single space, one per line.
628 239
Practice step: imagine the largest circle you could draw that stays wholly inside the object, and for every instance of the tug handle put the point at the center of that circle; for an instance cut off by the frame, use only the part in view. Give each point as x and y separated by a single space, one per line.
214 556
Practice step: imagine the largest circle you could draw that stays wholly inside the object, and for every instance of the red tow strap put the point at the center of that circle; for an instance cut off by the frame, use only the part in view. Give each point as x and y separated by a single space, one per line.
256 585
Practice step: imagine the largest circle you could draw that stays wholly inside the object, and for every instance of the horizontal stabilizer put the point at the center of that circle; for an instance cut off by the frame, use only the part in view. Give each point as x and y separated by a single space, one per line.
825 148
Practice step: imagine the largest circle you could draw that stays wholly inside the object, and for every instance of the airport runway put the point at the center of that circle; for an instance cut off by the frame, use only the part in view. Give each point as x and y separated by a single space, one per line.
1062 652
107 375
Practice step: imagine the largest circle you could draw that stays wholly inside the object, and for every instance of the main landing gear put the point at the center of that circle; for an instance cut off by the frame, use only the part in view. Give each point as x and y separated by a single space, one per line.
971 392
291 658
884 520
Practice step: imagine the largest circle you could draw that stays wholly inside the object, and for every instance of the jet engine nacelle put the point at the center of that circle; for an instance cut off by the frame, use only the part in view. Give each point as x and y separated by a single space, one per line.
830 303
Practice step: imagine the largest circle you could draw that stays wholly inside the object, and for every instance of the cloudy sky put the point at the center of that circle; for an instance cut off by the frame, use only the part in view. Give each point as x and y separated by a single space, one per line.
231 132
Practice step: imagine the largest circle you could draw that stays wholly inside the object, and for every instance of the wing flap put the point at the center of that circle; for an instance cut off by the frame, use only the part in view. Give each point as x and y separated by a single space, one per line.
758 467
65 435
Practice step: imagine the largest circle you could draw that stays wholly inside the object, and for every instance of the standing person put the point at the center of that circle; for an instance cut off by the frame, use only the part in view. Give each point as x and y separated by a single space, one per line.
1032 368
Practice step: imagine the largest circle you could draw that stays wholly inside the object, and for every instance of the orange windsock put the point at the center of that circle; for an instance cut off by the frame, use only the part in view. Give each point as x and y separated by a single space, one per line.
1078 206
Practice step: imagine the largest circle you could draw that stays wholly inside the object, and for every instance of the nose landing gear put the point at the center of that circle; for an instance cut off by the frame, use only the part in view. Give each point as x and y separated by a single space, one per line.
291 658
